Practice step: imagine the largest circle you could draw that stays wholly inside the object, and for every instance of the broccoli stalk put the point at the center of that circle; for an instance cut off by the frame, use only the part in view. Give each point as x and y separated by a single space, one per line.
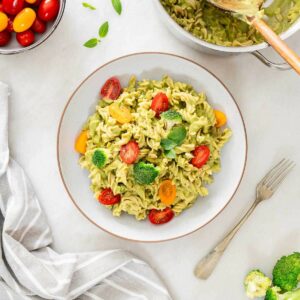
273 293
144 173
171 117
286 273
99 158
256 284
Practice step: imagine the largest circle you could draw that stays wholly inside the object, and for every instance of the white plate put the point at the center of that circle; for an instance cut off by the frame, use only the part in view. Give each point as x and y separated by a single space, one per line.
151 66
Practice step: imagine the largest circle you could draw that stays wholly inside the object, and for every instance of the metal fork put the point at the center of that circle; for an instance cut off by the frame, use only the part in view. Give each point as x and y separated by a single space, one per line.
264 190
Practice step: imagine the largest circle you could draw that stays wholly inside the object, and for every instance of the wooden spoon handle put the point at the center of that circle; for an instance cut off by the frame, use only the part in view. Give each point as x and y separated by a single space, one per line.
277 43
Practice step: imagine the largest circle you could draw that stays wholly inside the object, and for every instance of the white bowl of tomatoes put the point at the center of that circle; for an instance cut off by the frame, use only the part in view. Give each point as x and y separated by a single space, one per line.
25 24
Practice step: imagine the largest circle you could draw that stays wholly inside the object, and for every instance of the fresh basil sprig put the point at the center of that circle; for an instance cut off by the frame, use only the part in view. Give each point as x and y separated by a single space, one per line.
117 6
175 138
102 32
87 5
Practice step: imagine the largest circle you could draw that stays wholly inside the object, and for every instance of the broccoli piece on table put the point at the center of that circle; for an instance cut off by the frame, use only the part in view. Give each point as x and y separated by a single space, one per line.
256 284
171 117
99 158
286 273
144 173
273 293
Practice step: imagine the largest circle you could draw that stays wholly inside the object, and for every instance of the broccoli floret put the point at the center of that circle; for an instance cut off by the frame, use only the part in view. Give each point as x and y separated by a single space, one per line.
286 273
99 158
144 173
273 293
256 284
171 117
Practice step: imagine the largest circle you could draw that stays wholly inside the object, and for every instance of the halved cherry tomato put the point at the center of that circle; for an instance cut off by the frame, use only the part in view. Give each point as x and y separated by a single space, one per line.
10 26
12 7
80 143
5 37
160 103
167 192
3 21
130 152
39 26
201 156
220 118
158 217
121 114
107 197
48 10
24 19
25 38
111 88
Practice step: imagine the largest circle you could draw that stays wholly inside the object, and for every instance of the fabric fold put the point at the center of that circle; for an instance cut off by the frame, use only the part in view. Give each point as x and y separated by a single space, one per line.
31 269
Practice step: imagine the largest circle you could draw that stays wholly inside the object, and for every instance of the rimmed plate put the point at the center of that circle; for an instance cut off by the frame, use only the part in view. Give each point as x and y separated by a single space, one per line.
151 66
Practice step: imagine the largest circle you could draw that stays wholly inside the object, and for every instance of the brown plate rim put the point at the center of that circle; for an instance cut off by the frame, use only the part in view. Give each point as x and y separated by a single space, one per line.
58 135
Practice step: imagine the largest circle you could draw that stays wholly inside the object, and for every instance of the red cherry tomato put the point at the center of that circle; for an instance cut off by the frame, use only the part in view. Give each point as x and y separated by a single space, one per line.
107 197
25 38
5 37
1 7
201 156
158 217
48 10
160 103
39 26
12 7
10 27
130 152
111 88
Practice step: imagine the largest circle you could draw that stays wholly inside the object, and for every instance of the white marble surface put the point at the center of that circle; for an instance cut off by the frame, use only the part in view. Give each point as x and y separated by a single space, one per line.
43 79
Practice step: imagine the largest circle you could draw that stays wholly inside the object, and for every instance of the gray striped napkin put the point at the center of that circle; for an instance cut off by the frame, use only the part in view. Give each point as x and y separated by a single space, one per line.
30 269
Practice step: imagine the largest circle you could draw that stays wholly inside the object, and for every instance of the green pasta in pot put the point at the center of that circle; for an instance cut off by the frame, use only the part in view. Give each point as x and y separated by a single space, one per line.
155 132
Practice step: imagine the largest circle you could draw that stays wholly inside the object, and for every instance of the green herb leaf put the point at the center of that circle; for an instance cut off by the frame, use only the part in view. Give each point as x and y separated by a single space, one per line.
87 5
117 6
170 153
177 135
167 144
103 30
91 43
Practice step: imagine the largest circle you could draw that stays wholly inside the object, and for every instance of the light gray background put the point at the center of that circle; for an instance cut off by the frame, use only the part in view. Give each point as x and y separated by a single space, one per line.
42 80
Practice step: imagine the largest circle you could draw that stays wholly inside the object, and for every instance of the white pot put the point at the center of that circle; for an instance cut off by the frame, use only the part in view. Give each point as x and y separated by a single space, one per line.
210 48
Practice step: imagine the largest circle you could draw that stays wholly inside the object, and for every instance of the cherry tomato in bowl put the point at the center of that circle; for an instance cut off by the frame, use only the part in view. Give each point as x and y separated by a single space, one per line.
158 217
24 20
12 7
107 197
39 26
48 10
160 103
111 88
3 21
130 152
5 37
25 38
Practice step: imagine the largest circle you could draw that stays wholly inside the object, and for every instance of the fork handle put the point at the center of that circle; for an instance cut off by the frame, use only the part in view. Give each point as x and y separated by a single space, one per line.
206 266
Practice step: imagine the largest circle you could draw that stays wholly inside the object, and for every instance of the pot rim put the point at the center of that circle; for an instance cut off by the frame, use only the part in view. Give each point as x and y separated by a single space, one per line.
229 49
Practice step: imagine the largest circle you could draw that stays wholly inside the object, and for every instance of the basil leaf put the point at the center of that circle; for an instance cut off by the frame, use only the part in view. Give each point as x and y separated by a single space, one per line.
170 153
103 30
177 135
91 43
117 6
87 5
167 144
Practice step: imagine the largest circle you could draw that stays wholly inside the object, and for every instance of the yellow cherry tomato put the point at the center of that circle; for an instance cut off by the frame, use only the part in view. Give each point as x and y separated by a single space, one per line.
167 192
220 118
80 143
3 21
24 19
121 114
30 1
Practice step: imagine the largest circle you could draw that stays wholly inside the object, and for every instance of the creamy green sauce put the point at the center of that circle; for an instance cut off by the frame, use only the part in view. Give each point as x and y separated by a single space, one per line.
215 26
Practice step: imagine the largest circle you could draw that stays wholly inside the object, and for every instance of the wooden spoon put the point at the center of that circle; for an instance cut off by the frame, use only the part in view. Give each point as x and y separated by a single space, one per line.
249 11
